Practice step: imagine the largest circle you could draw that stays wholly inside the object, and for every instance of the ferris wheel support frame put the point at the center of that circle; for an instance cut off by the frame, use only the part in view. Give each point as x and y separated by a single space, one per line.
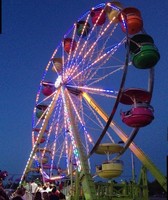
40 135
135 149
85 176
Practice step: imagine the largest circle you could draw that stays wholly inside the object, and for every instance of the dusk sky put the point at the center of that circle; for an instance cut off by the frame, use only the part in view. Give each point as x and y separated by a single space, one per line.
31 30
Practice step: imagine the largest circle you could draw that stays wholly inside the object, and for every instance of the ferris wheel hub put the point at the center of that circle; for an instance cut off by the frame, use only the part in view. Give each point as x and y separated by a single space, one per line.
58 82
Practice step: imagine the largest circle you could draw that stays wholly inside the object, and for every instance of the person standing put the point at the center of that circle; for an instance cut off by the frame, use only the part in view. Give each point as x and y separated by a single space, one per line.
19 193
45 196
53 195
38 196
34 187
28 193
3 194
62 196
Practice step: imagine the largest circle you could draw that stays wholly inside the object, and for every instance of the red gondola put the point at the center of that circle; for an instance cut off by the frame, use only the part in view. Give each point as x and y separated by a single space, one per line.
41 141
38 129
98 16
69 45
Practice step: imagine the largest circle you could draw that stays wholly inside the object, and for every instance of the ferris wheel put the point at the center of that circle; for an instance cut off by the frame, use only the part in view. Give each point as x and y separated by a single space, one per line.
96 90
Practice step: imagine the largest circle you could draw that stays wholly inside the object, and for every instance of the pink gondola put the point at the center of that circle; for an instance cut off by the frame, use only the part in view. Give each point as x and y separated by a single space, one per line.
141 113
138 116
48 88
41 141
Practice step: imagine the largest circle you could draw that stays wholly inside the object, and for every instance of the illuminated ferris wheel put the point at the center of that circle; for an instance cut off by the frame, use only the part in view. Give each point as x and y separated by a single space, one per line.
96 91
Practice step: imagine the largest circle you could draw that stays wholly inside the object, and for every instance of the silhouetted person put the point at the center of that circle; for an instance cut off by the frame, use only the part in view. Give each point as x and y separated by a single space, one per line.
38 196
53 195
19 193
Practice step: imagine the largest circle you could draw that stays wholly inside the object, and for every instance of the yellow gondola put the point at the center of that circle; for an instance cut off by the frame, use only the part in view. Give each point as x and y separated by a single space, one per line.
113 11
108 148
110 169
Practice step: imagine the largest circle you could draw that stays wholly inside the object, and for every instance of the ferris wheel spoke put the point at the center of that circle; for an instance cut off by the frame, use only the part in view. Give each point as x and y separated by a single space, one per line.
98 91
104 116
91 66
97 121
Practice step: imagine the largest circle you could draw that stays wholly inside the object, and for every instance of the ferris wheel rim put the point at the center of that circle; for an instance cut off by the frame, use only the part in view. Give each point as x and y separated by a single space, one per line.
66 84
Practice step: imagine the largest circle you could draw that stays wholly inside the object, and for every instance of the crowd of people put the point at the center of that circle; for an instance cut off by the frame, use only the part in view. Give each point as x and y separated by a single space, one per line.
34 191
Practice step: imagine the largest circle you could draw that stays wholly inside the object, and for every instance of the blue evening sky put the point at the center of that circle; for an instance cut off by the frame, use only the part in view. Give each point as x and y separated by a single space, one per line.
31 30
